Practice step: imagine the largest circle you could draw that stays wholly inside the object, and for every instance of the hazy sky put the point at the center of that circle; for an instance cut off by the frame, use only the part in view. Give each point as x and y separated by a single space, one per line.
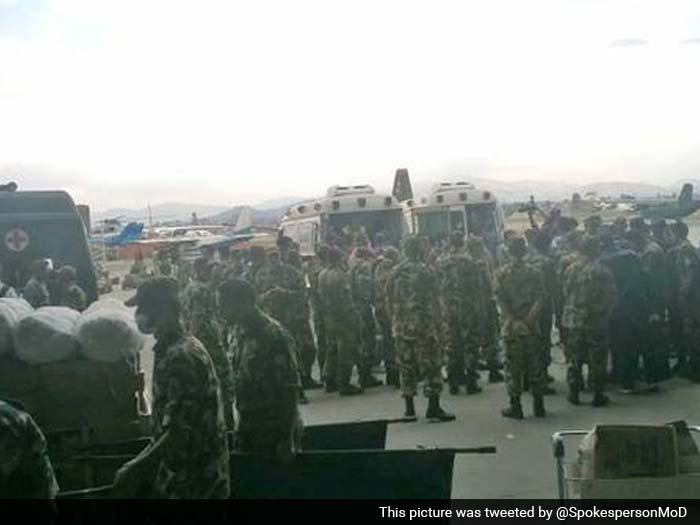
125 102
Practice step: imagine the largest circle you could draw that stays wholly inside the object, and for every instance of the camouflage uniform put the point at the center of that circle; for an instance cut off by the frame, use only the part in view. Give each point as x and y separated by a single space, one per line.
412 293
201 320
313 270
589 297
362 288
460 278
653 261
521 291
341 321
382 272
687 270
545 265
490 328
74 297
25 468
267 382
36 293
187 404
282 292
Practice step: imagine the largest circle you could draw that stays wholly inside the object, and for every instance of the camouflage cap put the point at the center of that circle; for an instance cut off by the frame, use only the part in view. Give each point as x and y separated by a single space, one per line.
154 289
68 272
517 246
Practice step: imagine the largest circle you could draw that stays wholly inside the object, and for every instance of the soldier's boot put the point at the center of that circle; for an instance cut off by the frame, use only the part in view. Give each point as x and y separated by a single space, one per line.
349 390
454 388
435 413
472 386
331 387
514 410
495 376
302 400
538 406
409 413
573 397
600 399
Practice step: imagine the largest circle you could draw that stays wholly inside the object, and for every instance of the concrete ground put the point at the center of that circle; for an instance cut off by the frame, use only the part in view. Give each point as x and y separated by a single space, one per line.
523 466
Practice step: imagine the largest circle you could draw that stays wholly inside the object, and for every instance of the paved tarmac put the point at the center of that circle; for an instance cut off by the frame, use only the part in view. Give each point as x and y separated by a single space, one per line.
523 466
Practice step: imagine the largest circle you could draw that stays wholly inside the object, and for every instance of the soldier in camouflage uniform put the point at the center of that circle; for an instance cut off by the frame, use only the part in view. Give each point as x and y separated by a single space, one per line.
566 254
200 318
654 277
313 268
71 294
521 295
25 468
686 265
459 278
189 458
342 324
36 291
413 299
538 255
382 270
266 375
490 330
589 298
282 294
362 288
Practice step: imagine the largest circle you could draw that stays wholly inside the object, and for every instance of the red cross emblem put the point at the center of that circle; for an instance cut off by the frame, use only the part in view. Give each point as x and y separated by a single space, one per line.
16 240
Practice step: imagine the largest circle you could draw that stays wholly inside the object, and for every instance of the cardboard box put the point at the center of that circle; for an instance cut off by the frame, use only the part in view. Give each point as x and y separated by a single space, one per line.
628 451
682 486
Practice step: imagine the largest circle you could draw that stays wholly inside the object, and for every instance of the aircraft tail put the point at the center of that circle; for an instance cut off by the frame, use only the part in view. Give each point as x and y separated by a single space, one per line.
402 185
686 197
131 233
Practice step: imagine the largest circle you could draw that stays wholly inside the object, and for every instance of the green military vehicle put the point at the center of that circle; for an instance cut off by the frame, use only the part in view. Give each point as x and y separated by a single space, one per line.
43 225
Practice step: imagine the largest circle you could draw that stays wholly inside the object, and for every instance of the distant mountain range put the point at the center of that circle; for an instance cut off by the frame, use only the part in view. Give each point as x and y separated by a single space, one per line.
268 212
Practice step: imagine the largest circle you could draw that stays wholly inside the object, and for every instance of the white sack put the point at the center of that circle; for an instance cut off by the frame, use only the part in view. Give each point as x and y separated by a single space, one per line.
46 336
12 311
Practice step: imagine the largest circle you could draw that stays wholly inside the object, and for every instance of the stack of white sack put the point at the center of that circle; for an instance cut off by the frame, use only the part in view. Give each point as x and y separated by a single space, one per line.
46 335
12 311
107 332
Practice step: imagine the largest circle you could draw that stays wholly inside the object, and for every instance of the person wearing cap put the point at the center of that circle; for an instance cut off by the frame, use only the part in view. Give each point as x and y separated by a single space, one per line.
491 328
685 271
362 288
522 297
458 277
71 294
266 375
591 224
189 457
539 255
200 318
589 299
342 324
654 287
281 290
36 291
413 299
382 270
